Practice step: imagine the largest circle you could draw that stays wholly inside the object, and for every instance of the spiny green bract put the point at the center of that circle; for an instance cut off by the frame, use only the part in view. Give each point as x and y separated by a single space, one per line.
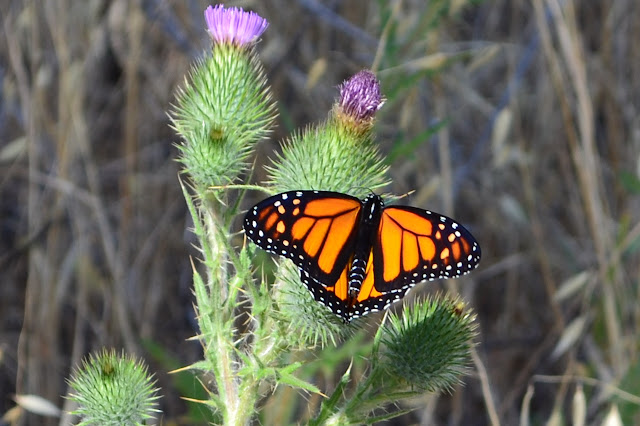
113 389
329 158
428 346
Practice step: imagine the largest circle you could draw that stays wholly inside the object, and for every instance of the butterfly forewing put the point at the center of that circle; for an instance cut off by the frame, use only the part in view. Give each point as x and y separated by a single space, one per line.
415 245
315 229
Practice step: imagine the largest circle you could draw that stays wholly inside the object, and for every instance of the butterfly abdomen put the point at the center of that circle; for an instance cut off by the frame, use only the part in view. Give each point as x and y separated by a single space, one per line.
369 221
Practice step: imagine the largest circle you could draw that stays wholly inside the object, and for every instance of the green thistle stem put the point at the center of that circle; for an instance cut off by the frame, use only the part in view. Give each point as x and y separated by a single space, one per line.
216 257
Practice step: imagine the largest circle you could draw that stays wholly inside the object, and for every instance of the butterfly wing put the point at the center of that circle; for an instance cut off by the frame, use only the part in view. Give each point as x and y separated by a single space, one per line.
318 231
415 245
412 245
315 229
335 297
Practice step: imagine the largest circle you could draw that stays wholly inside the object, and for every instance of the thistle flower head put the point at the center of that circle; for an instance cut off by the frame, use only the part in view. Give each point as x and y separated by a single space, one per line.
233 25
360 97
225 105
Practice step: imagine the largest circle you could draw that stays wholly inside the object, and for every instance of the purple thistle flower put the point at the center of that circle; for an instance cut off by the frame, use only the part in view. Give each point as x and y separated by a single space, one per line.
234 25
360 96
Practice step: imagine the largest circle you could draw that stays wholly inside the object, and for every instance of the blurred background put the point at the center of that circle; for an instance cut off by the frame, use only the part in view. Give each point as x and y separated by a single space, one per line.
519 118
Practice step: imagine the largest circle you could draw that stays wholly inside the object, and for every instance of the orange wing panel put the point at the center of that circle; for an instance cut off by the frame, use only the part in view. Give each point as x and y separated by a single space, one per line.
315 238
334 207
341 287
341 227
410 254
368 289
301 227
427 248
409 221
391 244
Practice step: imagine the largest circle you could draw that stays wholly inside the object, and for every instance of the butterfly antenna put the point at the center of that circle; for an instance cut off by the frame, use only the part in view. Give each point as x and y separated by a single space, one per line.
406 194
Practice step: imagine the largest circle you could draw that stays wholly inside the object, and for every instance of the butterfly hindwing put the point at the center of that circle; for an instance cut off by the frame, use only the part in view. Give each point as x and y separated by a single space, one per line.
315 229
369 298
334 297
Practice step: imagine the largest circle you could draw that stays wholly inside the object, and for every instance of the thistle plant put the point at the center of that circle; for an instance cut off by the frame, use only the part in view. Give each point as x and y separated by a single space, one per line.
250 329
112 389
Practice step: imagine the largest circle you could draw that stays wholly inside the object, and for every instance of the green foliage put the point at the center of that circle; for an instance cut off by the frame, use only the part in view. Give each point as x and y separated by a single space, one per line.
424 349
309 323
630 182
630 411
113 389
281 318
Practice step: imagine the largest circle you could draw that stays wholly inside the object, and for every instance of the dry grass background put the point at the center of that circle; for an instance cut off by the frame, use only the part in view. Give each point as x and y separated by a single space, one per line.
539 155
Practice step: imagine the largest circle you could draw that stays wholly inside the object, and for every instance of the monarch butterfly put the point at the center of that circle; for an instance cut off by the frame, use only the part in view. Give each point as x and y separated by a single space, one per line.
358 256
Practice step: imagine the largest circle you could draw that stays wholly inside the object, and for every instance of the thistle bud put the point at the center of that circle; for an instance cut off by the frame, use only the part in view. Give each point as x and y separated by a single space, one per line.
428 347
113 389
